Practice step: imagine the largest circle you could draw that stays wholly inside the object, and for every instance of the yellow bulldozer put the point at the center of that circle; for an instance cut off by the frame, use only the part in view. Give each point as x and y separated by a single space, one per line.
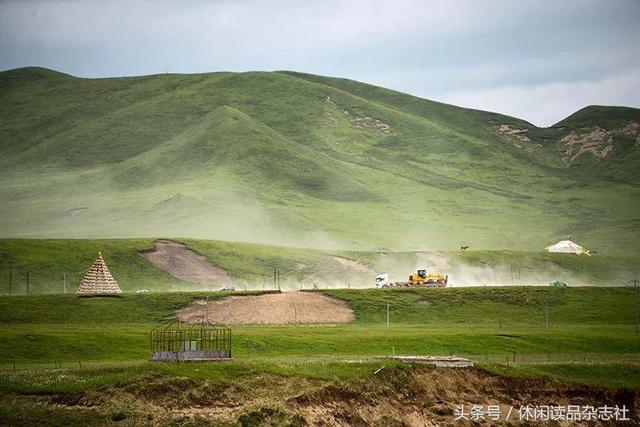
418 279
422 278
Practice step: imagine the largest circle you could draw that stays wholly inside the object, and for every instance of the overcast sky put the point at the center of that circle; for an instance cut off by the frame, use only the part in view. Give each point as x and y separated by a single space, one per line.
538 60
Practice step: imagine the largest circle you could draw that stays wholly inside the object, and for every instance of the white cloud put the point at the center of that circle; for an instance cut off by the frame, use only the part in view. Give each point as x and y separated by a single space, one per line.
546 104
462 51
242 25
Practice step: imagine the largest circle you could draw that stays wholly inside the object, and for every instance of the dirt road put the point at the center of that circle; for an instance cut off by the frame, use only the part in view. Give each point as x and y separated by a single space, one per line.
186 264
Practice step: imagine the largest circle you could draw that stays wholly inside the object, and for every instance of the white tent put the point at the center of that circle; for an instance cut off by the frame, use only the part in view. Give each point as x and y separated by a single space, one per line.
567 247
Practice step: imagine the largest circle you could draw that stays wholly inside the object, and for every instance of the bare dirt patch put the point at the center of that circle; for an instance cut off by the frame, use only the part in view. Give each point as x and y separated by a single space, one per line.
354 265
366 122
509 130
597 141
330 120
186 264
276 309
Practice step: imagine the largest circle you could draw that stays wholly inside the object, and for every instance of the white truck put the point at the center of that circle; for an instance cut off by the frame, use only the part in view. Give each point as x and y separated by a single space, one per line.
382 280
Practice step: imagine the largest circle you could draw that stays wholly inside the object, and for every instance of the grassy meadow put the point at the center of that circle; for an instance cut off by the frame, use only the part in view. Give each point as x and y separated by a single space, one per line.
595 323
82 361
56 264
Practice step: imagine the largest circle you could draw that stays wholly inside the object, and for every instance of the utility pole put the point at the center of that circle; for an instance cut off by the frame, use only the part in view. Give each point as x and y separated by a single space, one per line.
28 285
546 312
635 299
274 278
64 282
387 315
10 274
500 311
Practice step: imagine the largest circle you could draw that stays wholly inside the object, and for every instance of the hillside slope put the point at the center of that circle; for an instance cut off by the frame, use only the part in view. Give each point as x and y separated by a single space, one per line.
290 158
35 266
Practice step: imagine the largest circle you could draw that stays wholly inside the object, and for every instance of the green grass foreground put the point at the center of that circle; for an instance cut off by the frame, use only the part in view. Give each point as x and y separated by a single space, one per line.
587 327
75 361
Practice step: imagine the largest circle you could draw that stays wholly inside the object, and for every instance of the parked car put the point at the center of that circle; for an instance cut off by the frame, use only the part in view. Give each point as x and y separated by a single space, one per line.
228 288
142 291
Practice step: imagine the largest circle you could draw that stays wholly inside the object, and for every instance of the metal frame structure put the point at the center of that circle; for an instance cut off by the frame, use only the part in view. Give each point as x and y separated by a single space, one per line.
177 342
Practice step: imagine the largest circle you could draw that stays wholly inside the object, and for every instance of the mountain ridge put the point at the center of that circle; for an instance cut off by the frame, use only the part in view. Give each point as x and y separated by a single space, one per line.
294 158
39 71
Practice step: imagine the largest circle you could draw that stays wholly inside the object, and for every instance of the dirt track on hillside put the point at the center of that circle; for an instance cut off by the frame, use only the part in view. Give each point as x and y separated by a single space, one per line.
276 309
186 264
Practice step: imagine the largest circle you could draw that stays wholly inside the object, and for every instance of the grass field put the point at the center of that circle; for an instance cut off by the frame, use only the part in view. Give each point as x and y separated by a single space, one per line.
52 263
68 349
74 350
472 321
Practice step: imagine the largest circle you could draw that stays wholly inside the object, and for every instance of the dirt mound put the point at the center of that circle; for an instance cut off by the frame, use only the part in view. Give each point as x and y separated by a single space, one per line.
510 130
277 309
186 264
366 122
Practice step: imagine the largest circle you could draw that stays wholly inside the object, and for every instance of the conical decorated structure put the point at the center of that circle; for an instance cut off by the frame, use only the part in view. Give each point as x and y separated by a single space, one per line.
98 279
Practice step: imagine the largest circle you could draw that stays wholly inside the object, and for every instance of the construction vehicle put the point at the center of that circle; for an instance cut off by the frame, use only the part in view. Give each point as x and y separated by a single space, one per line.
421 279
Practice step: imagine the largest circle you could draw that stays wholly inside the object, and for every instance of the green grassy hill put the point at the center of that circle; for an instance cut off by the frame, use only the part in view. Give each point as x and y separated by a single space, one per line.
294 159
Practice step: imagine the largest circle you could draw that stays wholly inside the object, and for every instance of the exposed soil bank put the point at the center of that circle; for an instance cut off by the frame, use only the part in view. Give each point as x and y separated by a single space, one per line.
394 396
